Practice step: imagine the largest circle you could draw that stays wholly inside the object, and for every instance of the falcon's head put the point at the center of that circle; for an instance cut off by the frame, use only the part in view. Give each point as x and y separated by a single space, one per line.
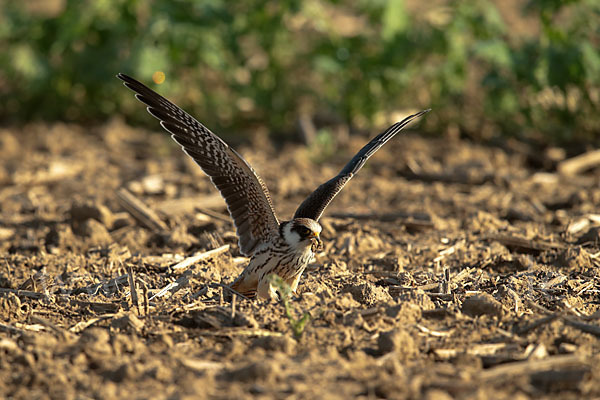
302 233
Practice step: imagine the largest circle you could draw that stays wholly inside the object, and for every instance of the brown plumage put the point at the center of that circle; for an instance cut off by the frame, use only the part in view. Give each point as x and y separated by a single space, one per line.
247 197
315 204
275 248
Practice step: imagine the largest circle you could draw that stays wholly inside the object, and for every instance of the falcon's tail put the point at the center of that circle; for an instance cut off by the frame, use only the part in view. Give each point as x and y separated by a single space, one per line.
243 286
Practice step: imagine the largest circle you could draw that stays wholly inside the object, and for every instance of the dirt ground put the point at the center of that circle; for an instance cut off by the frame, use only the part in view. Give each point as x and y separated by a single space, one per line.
450 270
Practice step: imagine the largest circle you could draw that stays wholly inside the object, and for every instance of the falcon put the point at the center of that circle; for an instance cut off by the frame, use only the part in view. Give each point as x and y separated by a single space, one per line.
283 248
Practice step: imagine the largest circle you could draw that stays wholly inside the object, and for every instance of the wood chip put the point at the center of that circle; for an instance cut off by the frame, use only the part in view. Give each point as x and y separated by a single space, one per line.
228 332
428 331
140 211
173 287
24 293
132 290
510 370
108 287
200 257
483 349
200 365
525 244
98 307
10 328
580 163
582 326
83 325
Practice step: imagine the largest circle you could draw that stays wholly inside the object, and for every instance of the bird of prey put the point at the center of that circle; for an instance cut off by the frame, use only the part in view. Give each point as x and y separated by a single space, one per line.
281 248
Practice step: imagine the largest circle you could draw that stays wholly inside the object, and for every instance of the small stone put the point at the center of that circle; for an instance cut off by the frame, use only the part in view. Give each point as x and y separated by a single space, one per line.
567 348
153 184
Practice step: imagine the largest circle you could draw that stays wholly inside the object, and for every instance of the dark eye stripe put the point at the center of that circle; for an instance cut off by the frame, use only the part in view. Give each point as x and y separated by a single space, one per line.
303 230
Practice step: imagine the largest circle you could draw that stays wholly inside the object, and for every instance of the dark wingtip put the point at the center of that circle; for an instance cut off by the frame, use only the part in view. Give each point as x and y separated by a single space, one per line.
420 113
126 78
413 116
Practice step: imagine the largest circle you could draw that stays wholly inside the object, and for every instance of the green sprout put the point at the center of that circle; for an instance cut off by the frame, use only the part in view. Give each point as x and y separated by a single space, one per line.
285 292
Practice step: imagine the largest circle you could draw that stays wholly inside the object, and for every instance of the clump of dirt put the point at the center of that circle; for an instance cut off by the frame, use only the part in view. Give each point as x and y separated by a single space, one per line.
450 270
369 294
481 304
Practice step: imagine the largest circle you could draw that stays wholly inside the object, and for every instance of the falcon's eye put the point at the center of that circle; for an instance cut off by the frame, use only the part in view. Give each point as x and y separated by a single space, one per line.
303 231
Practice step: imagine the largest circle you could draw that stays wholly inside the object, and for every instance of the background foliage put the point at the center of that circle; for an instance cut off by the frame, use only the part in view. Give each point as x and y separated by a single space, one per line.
486 68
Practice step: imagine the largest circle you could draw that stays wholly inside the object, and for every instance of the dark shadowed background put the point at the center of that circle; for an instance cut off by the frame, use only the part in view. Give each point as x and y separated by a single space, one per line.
529 69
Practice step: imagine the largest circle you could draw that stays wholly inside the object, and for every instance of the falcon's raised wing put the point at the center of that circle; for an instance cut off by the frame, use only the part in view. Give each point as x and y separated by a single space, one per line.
317 201
246 195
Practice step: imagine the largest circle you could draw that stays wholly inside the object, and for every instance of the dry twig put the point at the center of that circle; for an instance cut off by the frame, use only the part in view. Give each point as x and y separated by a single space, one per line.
525 244
24 293
134 297
580 163
140 211
510 370
200 257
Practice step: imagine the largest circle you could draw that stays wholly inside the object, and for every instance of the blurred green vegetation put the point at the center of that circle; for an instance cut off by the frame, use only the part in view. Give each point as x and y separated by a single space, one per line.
526 69
285 291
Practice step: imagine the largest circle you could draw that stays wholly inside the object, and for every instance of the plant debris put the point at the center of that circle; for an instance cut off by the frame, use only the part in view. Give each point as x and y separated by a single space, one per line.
449 270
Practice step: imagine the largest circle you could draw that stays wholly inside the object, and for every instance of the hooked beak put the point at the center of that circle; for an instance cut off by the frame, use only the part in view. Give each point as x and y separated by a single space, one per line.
317 243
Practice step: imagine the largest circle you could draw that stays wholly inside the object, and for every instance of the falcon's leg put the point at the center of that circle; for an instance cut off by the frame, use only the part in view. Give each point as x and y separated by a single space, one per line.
294 282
